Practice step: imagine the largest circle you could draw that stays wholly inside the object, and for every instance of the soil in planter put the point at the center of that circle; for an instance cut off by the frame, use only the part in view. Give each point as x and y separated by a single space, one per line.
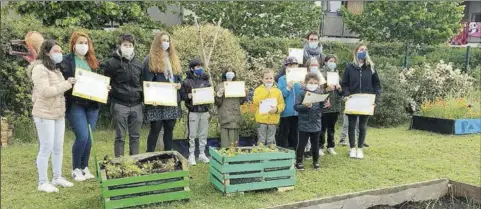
233 150
128 167
443 203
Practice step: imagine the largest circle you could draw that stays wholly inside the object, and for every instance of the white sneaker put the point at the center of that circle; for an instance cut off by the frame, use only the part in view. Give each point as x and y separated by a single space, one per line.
203 158
62 182
331 151
352 153
321 153
359 154
47 187
87 174
192 160
77 175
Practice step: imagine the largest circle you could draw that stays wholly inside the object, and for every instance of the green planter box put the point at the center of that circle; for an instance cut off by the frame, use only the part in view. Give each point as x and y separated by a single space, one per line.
146 189
252 171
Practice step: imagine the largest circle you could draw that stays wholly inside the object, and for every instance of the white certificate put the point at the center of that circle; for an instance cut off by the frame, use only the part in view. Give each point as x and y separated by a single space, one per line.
313 98
235 89
296 74
160 93
322 80
90 85
332 78
298 54
203 96
266 105
360 104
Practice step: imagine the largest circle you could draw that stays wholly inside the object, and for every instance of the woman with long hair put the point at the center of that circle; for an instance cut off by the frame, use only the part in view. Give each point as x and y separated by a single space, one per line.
162 65
49 113
360 77
80 112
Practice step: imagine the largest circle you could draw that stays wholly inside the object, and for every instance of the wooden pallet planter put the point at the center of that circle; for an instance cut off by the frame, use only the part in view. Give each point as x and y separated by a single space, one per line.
252 171
146 189
446 126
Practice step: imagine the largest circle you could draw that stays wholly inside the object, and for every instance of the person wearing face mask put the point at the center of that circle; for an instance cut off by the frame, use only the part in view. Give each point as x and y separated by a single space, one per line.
81 113
162 65
268 121
288 136
310 123
125 72
312 49
49 114
330 115
228 110
198 114
360 77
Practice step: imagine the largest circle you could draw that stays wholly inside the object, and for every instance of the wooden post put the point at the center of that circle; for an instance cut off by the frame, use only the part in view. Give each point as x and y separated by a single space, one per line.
204 55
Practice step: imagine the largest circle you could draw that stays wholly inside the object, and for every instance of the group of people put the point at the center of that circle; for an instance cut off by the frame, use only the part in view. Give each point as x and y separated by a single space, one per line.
53 76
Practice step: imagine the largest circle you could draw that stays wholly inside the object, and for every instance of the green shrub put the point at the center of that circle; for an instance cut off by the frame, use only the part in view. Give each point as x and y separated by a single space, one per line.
437 80
394 98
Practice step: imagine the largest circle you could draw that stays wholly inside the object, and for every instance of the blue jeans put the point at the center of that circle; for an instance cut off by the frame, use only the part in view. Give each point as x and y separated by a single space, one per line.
80 118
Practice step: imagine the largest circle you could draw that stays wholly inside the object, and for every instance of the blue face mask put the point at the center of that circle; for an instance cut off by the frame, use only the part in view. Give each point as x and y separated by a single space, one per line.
331 65
362 55
56 57
199 71
230 75
314 69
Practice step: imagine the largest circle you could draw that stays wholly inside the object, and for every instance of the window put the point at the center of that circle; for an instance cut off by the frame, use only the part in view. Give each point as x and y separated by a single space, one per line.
476 17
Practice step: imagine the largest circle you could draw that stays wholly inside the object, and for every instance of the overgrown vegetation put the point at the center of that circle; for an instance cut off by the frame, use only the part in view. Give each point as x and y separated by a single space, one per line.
234 150
128 167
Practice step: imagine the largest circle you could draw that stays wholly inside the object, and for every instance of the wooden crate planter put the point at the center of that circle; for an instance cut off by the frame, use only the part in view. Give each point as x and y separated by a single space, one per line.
6 132
252 171
146 189
447 126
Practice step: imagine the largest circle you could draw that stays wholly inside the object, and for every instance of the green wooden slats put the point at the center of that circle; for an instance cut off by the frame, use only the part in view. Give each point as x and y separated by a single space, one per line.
147 199
260 185
227 168
147 188
282 154
139 179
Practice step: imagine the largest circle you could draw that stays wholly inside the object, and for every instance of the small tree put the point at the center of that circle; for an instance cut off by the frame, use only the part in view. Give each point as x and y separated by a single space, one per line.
227 53
91 15
407 22
259 19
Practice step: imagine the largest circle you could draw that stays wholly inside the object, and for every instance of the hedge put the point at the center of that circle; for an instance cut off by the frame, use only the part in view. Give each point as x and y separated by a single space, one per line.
16 87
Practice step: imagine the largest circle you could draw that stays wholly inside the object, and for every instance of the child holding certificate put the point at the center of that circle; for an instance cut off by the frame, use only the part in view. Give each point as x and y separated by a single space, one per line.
360 77
162 65
270 103
198 114
329 115
309 120
125 71
229 113
288 135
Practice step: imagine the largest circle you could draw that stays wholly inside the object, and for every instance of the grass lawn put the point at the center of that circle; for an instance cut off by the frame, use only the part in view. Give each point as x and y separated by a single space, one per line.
396 156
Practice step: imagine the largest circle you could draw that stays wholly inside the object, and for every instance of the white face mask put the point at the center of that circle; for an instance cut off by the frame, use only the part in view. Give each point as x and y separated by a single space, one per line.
269 84
126 51
165 45
312 87
81 49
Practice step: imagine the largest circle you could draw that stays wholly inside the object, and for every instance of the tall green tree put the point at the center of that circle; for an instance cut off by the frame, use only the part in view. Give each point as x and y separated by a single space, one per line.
88 14
408 22
259 19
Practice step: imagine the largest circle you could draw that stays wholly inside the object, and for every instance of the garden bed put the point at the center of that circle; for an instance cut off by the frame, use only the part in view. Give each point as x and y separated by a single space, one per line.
250 168
446 126
144 179
435 194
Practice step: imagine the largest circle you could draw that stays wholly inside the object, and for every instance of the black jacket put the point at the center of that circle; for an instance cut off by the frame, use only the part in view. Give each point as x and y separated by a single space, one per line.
361 80
309 117
126 79
192 82
67 67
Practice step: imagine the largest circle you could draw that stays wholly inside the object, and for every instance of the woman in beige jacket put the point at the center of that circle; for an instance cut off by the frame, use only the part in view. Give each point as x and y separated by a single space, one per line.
49 113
